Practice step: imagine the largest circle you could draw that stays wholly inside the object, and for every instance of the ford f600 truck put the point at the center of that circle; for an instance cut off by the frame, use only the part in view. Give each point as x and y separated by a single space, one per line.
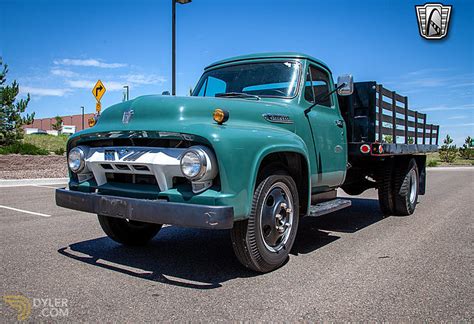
264 140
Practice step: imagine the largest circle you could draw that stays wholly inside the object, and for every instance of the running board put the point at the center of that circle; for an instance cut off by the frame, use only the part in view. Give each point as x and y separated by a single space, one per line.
328 207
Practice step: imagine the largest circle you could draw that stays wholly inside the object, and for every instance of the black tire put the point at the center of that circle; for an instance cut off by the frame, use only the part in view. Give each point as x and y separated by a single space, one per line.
253 239
353 190
385 189
128 232
406 187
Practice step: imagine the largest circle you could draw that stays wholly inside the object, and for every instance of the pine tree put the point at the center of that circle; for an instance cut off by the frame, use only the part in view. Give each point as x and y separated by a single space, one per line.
58 125
466 151
11 110
448 151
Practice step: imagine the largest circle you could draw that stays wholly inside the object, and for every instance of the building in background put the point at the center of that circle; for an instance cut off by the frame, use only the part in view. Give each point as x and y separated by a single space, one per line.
71 124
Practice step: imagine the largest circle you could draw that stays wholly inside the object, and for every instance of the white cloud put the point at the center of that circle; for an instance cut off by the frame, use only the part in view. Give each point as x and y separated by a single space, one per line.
89 84
89 62
448 108
144 79
458 117
43 92
63 73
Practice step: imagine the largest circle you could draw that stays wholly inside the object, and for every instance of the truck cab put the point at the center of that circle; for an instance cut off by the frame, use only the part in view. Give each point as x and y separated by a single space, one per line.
261 142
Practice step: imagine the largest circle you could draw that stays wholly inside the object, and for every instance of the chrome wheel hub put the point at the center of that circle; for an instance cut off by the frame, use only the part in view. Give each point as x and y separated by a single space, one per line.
276 217
413 186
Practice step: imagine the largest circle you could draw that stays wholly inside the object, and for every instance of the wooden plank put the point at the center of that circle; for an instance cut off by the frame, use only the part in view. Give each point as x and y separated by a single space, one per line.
389 94
389 131
399 121
416 127
424 130
400 110
385 92
437 134
394 118
380 100
406 120
431 134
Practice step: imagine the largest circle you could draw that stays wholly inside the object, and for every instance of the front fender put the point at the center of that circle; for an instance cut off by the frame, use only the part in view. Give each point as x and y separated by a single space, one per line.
240 152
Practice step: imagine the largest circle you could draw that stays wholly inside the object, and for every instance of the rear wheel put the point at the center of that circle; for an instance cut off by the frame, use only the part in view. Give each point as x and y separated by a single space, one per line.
385 189
263 242
406 187
128 232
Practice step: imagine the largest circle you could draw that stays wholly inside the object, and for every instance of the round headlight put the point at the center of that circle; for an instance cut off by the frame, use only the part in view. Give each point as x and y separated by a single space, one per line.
193 164
76 160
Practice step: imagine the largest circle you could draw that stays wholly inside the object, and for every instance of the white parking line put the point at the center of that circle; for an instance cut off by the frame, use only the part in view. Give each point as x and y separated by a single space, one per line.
25 211
44 186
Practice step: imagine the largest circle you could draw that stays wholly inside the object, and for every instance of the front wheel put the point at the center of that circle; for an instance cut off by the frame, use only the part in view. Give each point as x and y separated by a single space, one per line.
263 242
128 232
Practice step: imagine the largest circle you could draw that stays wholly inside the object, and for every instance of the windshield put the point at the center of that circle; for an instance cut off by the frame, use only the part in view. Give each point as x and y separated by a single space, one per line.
251 80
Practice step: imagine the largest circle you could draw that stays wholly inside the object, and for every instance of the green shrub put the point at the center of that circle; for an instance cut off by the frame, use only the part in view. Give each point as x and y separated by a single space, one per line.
448 151
466 151
432 163
60 151
50 143
23 148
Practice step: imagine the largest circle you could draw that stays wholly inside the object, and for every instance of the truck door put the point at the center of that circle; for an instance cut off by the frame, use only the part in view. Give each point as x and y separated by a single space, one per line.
328 129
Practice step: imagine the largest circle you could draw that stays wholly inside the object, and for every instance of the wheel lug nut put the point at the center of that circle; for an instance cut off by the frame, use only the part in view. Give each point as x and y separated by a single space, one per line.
278 217
289 210
280 229
282 205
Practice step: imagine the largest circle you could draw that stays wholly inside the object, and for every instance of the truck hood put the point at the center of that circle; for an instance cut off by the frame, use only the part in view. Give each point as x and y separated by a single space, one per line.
189 115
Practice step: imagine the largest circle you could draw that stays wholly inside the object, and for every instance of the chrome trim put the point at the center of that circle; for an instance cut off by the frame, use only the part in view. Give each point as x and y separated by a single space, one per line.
202 159
278 118
82 156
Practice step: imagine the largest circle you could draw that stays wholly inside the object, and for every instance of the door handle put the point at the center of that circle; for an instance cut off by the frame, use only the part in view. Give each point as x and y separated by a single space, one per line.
340 123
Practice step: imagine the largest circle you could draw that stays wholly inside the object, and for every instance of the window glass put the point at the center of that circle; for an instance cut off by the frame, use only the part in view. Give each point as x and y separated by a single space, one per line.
320 84
266 79
214 85
308 89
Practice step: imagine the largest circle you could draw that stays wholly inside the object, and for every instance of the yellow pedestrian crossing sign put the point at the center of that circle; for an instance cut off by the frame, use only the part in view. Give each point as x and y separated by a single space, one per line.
98 90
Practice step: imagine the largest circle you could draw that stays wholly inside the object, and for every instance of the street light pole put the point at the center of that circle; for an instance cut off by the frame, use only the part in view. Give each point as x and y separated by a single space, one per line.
173 43
126 93
82 108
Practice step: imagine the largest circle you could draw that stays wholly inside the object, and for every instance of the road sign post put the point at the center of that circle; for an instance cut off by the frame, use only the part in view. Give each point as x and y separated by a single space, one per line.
98 91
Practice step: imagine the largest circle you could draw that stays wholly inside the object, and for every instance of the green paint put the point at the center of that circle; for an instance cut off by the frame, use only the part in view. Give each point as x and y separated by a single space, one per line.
243 141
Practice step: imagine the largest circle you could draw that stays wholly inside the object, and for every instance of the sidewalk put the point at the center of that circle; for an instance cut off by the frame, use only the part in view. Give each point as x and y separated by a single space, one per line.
28 182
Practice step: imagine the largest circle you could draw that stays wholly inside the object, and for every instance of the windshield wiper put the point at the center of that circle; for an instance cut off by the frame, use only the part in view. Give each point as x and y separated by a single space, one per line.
237 95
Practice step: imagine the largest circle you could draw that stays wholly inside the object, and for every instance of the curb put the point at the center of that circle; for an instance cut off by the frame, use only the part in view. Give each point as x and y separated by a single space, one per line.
32 182
459 168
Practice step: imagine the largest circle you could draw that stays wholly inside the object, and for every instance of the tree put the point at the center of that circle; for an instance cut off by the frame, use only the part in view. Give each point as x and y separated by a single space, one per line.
388 139
58 125
448 151
467 151
11 110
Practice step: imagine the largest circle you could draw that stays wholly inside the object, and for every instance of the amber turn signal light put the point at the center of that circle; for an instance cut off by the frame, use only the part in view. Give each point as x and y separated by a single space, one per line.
91 121
220 116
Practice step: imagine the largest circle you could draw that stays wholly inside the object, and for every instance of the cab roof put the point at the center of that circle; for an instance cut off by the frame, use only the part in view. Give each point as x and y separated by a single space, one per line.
285 55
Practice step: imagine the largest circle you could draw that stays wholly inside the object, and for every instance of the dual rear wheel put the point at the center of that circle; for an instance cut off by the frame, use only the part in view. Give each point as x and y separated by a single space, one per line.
398 187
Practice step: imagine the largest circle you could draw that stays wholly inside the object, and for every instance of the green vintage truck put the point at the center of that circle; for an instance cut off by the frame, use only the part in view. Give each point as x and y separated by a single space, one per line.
263 140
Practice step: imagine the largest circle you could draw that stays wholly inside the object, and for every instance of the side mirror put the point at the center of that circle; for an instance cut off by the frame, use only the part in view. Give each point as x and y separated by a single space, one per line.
346 84
165 93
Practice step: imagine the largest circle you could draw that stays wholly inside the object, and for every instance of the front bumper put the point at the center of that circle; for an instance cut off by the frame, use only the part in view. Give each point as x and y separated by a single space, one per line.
149 211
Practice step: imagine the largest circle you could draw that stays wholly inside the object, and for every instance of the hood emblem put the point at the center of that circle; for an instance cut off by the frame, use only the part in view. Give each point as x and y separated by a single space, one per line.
277 118
122 152
127 115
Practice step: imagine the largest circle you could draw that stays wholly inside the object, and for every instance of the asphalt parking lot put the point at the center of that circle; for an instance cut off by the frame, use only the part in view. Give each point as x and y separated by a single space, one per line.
351 265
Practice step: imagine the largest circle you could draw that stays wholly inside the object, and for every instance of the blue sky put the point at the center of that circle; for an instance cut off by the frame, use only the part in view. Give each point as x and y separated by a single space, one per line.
58 49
